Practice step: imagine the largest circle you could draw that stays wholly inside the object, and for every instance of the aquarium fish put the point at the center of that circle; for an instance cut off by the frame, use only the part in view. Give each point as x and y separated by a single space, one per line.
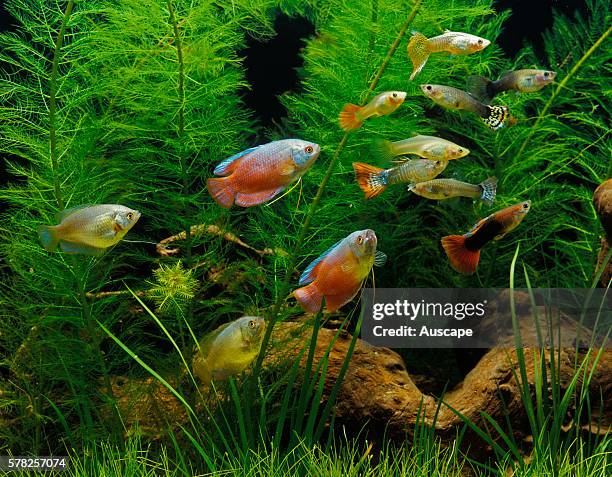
464 250
337 275
428 147
454 42
229 349
523 81
88 229
352 116
440 189
259 174
374 180
495 117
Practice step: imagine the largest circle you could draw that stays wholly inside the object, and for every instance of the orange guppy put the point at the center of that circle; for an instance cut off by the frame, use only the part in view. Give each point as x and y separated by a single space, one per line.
337 275
464 250
260 173
352 116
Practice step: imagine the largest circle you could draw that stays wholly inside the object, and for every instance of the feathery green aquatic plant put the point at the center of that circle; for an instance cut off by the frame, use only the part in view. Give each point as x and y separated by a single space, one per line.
135 101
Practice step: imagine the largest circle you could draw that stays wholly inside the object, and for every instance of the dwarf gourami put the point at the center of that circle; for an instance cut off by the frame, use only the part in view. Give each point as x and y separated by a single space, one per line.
88 230
338 274
259 174
229 349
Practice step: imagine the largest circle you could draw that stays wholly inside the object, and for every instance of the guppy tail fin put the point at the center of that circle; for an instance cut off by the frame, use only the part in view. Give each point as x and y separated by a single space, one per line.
463 260
489 189
481 88
48 237
418 52
371 179
221 191
309 297
497 117
348 117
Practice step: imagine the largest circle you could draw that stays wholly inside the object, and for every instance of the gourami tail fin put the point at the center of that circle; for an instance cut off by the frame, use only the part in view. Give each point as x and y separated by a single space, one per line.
48 237
309 297
348 117
372 180
383 150
221 191
489 189
418 51
497 117
481 87
463 260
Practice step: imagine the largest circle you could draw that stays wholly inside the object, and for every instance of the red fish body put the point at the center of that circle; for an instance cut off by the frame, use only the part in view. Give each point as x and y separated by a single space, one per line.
337 275
259 174
464 250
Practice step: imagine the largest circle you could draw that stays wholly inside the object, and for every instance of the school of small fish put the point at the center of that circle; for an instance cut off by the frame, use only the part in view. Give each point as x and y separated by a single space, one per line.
259 174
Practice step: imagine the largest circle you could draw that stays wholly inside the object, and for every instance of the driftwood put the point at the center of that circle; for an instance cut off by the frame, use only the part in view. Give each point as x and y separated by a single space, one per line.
602 201
378 392
165 251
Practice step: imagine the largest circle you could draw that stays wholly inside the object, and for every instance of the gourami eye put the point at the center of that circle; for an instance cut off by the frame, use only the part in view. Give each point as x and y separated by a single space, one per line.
251 324
395 95
525 206
309 149
359 240
130 216
460 150
480 42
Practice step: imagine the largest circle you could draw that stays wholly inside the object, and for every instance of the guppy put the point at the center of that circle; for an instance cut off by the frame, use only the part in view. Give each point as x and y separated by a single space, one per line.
428 147
229 349
352 116
495 117
374 180
454 42
523 81
440 189
464 250
88 230
337 275
259 174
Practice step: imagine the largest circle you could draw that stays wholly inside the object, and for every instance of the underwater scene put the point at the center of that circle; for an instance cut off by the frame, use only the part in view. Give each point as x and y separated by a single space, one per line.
215 213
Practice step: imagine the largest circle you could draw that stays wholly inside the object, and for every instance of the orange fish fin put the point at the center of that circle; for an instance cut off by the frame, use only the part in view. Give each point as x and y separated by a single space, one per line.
418 51
309 298
371 179
48 237
348 117
463 260
221 191
256 198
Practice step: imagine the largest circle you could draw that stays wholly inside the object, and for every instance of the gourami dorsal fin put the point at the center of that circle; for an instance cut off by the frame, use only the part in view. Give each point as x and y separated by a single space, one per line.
310 274
226 167
66 212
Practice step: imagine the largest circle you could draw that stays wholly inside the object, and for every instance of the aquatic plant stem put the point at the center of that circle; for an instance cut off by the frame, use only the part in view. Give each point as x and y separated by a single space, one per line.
284 288
560 87
181 122
53 105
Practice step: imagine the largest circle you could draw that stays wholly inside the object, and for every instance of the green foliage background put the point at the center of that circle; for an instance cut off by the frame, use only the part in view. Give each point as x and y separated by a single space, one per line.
141 117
